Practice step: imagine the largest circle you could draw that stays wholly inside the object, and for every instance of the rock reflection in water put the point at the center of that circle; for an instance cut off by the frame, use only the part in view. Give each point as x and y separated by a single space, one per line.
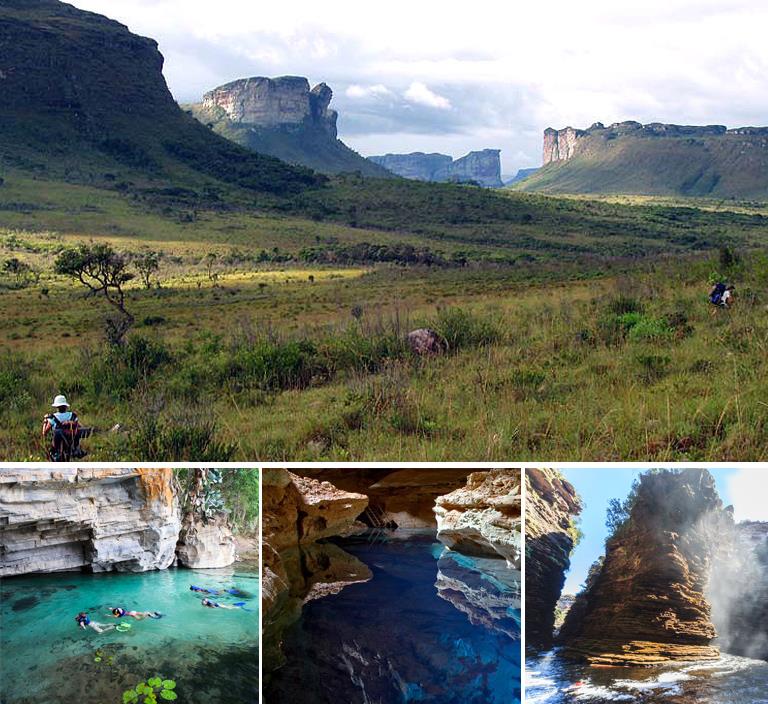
484 589
395 638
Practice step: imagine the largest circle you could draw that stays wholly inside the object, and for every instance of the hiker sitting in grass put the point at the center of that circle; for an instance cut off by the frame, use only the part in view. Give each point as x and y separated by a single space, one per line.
722 295
64 428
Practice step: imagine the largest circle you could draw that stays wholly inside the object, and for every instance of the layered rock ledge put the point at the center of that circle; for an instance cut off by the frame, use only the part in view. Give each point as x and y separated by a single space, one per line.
646 605
98 519
483 518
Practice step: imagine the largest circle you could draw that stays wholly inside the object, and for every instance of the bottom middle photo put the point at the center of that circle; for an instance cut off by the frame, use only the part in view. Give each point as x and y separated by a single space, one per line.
387 585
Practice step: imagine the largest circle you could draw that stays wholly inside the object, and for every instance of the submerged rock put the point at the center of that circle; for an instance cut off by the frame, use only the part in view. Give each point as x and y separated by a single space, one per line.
551 507
99 519
483 517
646 604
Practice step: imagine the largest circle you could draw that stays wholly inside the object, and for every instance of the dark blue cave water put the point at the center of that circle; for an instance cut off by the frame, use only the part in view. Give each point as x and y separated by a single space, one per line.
430 626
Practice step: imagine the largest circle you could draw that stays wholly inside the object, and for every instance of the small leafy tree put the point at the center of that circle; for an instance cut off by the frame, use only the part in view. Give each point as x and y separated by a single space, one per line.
21 271
147 264
103 271
210 260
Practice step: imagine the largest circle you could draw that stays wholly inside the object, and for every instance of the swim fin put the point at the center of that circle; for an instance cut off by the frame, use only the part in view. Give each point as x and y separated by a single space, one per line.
241 604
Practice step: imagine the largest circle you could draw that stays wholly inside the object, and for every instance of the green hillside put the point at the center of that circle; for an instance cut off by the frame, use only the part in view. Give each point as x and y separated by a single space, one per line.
733 164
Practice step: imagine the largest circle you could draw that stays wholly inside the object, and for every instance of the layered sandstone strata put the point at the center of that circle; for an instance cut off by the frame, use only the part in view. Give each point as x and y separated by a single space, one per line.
205 544
552 506
646 604
97 519
483 518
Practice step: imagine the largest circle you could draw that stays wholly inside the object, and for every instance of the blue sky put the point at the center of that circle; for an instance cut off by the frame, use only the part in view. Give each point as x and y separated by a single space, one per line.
452 77
745 489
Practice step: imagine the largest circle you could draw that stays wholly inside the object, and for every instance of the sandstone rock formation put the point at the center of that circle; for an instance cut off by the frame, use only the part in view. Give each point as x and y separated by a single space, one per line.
286 101
483 518
646 605
96 519
282 117
654 159
483 167
297 511
551 508
205 544
398 498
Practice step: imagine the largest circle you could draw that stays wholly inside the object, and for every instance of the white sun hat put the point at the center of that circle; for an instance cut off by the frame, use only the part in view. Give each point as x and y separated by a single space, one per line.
60 400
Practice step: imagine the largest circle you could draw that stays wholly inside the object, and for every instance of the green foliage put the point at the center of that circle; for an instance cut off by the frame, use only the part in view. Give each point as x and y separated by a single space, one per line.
460 328
618 511
147 692
15 383
147 264
178 439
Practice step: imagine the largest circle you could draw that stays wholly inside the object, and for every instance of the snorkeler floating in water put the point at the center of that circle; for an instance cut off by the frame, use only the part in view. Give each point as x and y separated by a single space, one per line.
219 592
215 605
118 612
83 621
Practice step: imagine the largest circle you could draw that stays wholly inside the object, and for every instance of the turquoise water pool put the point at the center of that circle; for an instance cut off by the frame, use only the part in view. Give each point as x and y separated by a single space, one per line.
212 654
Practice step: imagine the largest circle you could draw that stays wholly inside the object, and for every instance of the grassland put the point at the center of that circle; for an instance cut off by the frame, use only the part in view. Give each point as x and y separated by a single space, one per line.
577 330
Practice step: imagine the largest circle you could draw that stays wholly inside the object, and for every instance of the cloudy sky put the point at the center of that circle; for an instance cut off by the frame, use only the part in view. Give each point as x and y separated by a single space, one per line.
450 77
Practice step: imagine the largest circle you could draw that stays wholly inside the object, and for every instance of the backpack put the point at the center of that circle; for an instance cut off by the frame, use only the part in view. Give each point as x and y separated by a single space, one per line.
716 297
65 443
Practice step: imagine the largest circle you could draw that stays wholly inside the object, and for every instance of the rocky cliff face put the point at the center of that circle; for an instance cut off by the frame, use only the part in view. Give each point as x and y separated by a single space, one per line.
482 519
646 604
398 498
551 507
282 117
483 167
296 512
286 101
95 519
205 544
738 591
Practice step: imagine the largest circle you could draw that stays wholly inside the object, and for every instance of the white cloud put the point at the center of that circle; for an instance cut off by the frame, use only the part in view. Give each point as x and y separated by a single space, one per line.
686 61
419 93
748 492
358 91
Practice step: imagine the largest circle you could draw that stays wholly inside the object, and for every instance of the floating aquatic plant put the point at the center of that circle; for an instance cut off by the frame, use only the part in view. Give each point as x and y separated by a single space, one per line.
147 692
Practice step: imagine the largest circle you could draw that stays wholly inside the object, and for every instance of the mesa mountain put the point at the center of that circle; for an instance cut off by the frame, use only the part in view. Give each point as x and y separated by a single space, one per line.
483 167
84 99
654 159
282 117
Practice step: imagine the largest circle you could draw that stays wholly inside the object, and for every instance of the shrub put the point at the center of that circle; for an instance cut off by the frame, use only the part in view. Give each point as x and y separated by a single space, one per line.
15 380
189 438
648 328
624 304
459 328
272 366
653 366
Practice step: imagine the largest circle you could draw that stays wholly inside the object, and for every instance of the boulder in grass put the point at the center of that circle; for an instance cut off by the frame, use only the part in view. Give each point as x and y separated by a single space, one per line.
425 342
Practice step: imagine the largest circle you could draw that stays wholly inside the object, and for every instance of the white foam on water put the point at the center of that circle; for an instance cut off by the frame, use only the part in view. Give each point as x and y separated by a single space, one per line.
590 692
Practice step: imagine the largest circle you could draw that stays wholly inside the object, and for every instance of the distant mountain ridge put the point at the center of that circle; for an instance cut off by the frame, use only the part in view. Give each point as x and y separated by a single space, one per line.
483 167
284 118
654 159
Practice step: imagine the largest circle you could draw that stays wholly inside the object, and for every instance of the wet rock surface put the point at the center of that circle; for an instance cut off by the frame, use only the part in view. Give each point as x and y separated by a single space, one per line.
97 519
552 504
646 605
483 518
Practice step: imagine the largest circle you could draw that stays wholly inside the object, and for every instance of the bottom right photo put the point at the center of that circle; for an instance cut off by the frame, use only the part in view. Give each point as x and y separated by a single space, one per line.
646 586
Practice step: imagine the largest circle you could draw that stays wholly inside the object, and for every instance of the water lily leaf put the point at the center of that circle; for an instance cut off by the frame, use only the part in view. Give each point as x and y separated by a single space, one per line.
129 696
154 682
168 694
142 688
97 659
169 684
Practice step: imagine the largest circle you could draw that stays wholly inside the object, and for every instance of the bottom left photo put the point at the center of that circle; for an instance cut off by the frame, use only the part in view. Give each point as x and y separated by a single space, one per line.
129 585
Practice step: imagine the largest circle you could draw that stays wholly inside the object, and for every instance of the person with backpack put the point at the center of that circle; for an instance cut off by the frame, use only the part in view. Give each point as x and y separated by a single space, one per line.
721 295
64 428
